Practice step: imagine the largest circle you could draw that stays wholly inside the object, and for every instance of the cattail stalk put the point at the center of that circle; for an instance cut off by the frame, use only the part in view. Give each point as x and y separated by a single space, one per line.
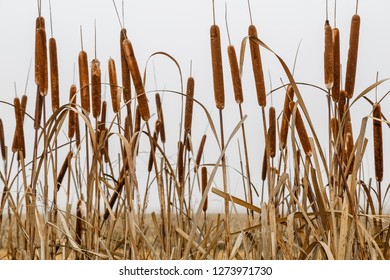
19 127
189 105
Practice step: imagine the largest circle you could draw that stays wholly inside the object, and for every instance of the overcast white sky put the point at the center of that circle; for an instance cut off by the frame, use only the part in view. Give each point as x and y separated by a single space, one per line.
181 28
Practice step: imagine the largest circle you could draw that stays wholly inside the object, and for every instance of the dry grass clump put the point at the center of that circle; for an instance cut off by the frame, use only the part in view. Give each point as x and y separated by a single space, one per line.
307 206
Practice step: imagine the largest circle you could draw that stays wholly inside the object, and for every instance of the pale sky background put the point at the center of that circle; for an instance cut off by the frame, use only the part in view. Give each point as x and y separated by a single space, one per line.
181 28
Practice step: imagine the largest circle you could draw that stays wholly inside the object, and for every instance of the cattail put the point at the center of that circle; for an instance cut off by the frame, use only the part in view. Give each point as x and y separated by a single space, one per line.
42 61
264 168
349 150
336 65
153 148
2 141
301 131
96 88
216 58
342 103
115 98
139 86
127 128
103 116
54 83
272 131
234 70
84 82
63 169
286 117
328 56
352 56
39 23
72 114
334 127
137 126
200 150
23 105
160 116
126 82
180 162
204 185
78 135
189 105
257 67
378 145
19 126
80 209
38 110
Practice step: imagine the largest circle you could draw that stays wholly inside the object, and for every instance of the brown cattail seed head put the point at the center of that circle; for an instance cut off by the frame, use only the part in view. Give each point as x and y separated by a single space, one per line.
189 105
378 144
72 114
234 70
328 57
200 150
39 23
54 83
84 82
115 98
300 127
257 67
138 84
126 82
352 56
286 117
2 141
272 131
96 88
38 110
204 185
160 116
336 65
41 60
216 59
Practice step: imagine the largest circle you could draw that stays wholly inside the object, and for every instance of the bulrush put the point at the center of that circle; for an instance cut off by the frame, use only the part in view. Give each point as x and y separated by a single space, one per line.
257 67
352 56
138 84
96 88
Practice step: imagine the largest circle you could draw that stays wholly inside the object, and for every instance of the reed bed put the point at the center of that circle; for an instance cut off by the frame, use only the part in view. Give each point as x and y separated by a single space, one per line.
306 206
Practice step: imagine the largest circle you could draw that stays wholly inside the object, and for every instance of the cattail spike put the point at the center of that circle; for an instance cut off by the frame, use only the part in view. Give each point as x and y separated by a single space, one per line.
336 65
352 56
216 58
200 150
2 141
138 84
126 81
300 127
286 117
328 57
72 114
189 105
96 77
204 185
54 83
234 70
272 131
160 116
84 82
378 144
115 98
257 67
